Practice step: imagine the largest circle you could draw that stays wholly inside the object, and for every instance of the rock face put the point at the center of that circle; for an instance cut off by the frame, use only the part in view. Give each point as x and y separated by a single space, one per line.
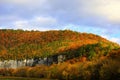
11 64
32 62
61 58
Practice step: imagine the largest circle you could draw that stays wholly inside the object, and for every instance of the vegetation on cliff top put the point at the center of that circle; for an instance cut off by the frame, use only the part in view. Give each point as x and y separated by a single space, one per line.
104 68
89 56
19 44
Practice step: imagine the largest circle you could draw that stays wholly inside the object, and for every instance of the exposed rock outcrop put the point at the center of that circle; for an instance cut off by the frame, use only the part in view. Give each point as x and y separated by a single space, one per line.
32 62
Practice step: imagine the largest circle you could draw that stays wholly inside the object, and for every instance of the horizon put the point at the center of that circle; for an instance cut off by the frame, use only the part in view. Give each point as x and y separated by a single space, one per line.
100 17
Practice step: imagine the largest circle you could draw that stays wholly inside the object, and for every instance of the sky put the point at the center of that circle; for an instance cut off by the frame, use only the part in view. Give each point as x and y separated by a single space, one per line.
101 17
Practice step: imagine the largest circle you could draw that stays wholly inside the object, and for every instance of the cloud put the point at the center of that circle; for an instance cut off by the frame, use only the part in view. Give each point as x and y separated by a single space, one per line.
44 20
113 39
8 19
110 9
24 2
37 23
101 13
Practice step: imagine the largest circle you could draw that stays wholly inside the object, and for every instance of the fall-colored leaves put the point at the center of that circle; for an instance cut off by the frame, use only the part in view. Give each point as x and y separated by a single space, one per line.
88 56
97 69
19 44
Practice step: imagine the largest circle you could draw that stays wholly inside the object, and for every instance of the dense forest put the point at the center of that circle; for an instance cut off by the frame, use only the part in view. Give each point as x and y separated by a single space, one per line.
88 56
19 44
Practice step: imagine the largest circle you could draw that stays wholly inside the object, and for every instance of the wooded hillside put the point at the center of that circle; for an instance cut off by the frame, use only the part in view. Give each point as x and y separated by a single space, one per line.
19 44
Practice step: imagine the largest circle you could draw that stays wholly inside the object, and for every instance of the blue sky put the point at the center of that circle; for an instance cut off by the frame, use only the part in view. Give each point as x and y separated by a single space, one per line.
100 17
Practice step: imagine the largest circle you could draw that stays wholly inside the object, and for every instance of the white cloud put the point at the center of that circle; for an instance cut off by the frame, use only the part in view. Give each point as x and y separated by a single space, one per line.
37 23
21 24
44 20
113 39
109 9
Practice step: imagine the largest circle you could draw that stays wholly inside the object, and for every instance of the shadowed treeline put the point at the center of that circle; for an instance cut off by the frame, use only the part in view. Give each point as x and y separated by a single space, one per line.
104 68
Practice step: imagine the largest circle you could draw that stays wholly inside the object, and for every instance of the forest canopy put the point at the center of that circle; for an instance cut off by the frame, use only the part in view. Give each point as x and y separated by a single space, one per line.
19 44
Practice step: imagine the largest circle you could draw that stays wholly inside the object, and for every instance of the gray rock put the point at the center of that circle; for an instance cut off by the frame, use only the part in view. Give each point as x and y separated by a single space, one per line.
32 62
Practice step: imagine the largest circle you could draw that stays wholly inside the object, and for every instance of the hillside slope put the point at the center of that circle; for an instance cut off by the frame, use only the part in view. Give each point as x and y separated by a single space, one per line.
19 44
